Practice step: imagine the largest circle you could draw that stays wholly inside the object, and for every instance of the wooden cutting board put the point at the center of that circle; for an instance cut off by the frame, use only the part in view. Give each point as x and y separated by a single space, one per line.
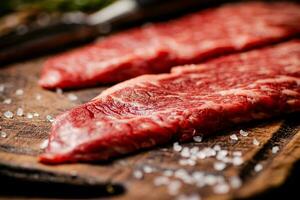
139 174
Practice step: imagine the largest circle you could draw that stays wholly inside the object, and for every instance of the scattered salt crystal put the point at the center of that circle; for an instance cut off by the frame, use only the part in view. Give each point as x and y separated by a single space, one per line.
221 188
194 150
236 161
7 101
217 147
226 160
44 144
72 97
198 175
221 154
237 153
147 169
168 173
219 166
3 134
188 197
29 115
235 182
201 155
73 173
161 180
187 162
258 167
210 179
173 187
185 152
50 118
138 174
59 91
197 138
2 87
255 142
275 149
234 137
20 112
8 114
180 173
183 162
177 147
19 92
36 114
244 133
38 97
209 152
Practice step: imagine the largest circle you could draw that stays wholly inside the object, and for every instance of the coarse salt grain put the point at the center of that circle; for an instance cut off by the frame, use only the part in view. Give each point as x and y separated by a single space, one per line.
50 118
8 114
19 92
194 150
147 169
180 173
138 174
188 197
234 137
44 144
197 138
210 179
244 133
2 87
235 182
3 134
222 188
217 147
161 180
219 166
185 152
237 160
187 162
255 142
275 149
221 154
237 153
177 147
258 167
7 101
72 97
29 115
38 97
20 112
168 173
173 187
59 91
36 114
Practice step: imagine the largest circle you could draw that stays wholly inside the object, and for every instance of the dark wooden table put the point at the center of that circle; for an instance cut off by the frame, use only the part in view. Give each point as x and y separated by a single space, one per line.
20 148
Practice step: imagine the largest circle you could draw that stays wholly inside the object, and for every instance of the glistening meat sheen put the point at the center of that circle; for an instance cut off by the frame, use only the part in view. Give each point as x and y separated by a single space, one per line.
198 99
156 48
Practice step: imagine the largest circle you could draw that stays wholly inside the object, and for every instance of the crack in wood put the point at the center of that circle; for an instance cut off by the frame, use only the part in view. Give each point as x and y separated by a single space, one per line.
280 138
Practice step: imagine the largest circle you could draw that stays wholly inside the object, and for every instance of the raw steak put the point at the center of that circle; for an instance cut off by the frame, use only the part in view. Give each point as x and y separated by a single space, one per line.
200 99
156 48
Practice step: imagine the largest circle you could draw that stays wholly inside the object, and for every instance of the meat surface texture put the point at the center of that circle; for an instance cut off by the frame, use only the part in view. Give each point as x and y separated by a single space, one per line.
200 99
156 48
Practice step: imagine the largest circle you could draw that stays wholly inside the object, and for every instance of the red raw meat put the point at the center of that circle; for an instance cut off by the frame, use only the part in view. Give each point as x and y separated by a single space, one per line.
200 99
188 40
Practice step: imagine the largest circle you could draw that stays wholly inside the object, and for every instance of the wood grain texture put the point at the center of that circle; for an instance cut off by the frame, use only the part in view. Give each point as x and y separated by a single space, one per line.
19 150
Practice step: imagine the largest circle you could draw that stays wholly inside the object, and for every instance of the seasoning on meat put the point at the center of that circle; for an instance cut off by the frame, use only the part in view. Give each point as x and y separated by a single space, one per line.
156 48
200 99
